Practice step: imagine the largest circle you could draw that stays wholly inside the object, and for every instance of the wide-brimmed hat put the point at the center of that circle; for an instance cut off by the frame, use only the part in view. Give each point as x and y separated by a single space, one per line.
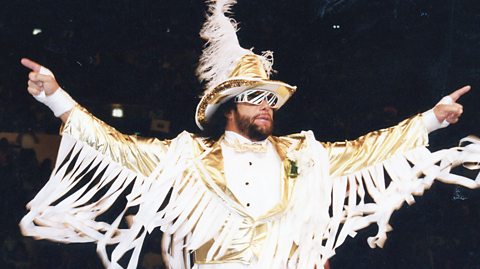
227 68
248 73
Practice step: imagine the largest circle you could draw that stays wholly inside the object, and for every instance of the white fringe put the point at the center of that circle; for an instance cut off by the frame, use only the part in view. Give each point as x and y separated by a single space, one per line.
196 214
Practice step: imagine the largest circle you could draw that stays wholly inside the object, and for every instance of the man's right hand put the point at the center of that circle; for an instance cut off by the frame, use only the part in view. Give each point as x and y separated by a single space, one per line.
43 86
40 79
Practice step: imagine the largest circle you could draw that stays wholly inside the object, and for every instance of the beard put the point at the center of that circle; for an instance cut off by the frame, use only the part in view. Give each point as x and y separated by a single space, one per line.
255 132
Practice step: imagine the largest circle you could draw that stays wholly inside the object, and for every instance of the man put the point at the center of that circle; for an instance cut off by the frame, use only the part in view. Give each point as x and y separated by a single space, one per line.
239 197
246 122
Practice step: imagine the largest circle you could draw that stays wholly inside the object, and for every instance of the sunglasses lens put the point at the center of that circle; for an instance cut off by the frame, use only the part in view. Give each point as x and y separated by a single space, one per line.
256 97
273 100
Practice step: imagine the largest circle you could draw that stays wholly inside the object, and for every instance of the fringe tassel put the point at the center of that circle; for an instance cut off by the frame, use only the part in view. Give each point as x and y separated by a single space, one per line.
317 233
195 214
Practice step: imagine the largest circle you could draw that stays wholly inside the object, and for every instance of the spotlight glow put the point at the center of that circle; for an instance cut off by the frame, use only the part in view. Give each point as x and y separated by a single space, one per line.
117 112
36 31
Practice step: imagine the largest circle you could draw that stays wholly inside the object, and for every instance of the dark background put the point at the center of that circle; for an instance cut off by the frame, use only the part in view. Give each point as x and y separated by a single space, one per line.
358 65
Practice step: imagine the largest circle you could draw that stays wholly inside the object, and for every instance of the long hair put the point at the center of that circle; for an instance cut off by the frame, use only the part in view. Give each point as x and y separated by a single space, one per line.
215 127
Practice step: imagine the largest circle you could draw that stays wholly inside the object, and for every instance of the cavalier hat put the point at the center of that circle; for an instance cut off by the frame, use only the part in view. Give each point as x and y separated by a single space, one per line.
228 69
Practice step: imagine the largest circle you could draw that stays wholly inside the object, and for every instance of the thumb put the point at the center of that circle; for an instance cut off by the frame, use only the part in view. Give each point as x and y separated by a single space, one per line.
39 77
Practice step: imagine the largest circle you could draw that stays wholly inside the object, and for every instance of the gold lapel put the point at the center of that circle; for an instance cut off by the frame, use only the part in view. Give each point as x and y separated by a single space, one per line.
213 163
283 145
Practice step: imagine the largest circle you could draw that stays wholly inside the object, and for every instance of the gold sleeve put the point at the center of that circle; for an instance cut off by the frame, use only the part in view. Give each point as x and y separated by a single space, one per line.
136 153
350 156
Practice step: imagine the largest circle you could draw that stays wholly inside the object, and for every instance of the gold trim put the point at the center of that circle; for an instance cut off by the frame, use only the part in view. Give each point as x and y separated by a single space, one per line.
254 230
212 96
202 107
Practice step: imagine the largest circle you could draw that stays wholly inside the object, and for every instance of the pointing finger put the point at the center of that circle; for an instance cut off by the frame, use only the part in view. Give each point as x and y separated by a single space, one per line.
34 66
458 93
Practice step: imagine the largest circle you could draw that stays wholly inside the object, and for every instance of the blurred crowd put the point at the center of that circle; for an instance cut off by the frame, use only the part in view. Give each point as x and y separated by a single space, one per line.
22 175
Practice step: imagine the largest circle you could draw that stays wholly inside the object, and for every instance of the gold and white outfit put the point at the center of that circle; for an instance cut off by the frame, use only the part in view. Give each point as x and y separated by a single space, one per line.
297 208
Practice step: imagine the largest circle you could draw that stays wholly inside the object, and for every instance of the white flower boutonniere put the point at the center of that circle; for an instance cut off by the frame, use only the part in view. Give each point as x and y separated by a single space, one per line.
300 162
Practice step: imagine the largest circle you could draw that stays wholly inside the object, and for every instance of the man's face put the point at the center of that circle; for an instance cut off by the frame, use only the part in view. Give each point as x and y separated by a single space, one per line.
253 121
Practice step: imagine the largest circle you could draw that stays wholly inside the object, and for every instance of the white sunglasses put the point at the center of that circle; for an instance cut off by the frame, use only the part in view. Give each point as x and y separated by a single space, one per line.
256 97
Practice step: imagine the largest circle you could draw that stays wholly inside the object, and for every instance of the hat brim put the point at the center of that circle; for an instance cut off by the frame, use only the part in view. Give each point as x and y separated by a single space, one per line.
230 88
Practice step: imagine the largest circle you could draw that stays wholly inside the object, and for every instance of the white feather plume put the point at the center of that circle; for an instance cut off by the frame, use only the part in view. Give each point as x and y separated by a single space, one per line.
222 49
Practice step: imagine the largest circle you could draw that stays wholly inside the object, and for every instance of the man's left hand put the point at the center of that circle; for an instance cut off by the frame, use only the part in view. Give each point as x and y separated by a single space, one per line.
450 111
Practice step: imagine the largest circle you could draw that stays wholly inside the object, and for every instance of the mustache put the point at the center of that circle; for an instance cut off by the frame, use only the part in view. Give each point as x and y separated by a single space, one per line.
263 116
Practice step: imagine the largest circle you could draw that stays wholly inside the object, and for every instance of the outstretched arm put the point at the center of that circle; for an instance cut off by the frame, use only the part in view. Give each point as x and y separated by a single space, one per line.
349 156
136 153
374 175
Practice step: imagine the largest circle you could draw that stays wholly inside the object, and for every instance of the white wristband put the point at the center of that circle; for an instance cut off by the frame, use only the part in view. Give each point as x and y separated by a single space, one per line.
59 102
447 100
430 120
